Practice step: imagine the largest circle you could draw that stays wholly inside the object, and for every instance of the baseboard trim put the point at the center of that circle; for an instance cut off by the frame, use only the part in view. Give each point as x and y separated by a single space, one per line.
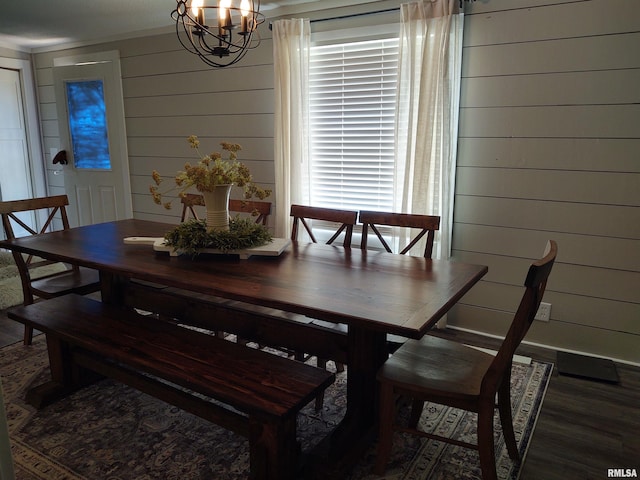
516 358
547 347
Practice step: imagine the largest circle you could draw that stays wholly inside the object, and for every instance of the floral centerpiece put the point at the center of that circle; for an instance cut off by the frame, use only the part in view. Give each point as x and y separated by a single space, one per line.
213 176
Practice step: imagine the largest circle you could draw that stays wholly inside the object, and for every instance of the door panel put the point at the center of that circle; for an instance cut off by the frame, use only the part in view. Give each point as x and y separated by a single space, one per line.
91 122
15 179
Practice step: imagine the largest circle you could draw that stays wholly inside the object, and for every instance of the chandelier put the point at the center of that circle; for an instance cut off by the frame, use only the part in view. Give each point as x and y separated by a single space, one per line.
209 31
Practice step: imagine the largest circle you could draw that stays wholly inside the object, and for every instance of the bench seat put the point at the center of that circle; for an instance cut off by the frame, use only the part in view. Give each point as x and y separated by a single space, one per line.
267 390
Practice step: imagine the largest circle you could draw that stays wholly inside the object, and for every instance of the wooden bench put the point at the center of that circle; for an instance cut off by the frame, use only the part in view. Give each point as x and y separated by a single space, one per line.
85 336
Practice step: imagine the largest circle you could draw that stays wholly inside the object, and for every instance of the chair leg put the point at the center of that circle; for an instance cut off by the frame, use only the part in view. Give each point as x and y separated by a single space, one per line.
504 407
321 363
416 412
486 449
385 433
28 335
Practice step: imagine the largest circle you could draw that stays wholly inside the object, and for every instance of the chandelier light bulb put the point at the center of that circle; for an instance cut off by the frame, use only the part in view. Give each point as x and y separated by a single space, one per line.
244 11
197 11
245 7
225 5
195 7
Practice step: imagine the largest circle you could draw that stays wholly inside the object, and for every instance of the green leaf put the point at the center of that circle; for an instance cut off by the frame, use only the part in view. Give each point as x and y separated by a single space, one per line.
191 236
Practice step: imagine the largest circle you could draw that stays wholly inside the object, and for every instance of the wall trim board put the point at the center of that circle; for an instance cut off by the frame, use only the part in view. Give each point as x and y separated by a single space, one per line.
547 347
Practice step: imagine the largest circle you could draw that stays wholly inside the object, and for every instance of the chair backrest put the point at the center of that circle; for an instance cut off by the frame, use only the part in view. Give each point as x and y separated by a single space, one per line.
260 210
427 224
190 200
346 219
10 210
535 285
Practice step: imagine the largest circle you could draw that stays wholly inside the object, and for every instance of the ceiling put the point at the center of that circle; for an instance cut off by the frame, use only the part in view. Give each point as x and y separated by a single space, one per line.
33 25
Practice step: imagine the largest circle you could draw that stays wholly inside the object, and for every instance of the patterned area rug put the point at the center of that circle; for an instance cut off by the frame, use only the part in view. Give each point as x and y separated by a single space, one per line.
110 431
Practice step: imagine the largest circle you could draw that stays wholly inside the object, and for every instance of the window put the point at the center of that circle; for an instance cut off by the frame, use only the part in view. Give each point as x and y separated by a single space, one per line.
88 124
352 112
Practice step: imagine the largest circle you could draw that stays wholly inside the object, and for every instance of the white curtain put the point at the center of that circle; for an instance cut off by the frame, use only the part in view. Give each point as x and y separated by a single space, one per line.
291 45
427 112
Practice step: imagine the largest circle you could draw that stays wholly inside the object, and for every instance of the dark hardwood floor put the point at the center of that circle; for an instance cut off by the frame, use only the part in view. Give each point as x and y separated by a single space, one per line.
585 427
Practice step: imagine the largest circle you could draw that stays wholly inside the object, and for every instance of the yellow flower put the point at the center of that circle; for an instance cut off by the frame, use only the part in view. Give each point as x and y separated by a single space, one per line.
193 141
211 170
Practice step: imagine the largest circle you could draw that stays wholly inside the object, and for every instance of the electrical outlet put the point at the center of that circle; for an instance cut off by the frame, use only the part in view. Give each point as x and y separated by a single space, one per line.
544 312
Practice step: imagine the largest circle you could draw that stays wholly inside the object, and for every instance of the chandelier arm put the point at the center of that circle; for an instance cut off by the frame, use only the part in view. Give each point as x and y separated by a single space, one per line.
204 44
190 47
186 28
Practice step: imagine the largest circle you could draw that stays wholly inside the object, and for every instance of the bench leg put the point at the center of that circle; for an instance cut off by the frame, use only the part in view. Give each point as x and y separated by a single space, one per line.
66 376
274 449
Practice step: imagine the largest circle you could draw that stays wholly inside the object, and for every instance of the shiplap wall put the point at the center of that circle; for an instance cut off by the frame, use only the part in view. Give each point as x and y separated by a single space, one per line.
169 95
549 148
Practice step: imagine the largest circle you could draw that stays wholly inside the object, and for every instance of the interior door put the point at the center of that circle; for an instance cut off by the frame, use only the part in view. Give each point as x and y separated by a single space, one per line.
92 133
15 175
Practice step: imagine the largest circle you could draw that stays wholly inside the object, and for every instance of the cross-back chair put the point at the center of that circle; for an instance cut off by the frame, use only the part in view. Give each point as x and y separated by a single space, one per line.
73 280
189 202
345 220
261 210
428 224
448 373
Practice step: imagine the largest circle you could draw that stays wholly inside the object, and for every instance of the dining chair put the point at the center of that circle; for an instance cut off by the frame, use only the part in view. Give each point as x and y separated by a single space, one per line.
448 373
189 202
16 219
343 222
424 225
427 224
260 210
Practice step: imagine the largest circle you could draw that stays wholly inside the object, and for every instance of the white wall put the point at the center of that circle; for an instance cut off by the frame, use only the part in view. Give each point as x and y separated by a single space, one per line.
549 142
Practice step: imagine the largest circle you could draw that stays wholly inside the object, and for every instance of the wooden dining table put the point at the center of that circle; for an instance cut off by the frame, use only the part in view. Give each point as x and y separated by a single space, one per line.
371 293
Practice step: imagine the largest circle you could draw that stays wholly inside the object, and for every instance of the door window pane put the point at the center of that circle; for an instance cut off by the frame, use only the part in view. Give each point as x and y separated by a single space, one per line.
88 124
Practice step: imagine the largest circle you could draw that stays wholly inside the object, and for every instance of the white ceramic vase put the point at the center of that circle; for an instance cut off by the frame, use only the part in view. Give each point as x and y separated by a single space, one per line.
217 206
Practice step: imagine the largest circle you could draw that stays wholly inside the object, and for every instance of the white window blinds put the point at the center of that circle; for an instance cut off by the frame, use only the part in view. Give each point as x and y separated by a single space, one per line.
352 109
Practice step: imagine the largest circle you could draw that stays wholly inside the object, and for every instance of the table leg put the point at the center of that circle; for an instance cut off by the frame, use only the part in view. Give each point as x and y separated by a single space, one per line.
112 288
367 351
